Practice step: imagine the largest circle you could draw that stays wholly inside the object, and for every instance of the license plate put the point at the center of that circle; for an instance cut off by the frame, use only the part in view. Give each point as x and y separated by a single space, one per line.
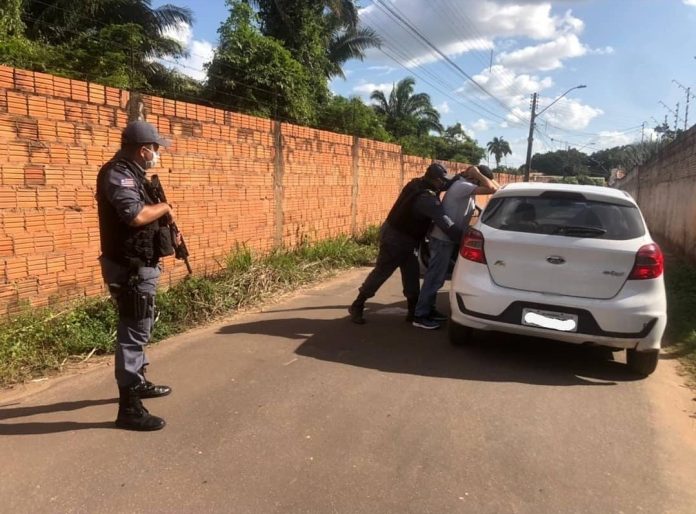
551 320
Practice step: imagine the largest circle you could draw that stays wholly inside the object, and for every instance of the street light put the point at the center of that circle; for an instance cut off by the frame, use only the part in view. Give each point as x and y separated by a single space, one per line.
530 140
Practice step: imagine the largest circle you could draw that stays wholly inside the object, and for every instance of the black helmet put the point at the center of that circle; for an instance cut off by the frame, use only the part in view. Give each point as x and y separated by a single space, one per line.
436 171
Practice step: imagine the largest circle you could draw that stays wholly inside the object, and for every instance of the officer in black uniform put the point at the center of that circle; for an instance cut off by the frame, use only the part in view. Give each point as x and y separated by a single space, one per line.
415 209
133 238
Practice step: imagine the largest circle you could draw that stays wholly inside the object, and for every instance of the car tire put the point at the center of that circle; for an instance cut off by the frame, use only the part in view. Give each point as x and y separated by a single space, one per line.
643 363
459 335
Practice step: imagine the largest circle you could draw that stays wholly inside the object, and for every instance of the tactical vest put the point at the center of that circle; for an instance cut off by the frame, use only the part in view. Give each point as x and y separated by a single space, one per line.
403 217
132 247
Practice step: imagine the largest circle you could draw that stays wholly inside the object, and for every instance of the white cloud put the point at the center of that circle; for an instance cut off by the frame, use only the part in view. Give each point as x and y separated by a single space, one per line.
480 125
544 57
385 70
607 50
444 108
690 2
199 52
569 113
366 89
490 21
506 85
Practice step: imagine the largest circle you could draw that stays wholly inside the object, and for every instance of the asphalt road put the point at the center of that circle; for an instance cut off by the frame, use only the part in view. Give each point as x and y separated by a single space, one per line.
295 409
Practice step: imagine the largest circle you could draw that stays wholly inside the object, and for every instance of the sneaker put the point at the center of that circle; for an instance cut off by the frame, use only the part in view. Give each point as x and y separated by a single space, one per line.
356 313
426 323
436 315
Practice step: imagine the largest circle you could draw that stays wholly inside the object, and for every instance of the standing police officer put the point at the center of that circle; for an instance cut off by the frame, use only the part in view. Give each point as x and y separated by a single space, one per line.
133 238
415 209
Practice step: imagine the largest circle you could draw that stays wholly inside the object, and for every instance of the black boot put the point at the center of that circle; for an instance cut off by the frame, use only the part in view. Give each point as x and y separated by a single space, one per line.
147 389
411 306
132 415
356 310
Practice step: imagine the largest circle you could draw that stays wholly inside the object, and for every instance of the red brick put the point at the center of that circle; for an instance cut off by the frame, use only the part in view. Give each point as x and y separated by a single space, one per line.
18 152
61 87
47 130
6 77
113 97
34 175
55 109
27 128
17 103
79 91
27 198
97 94
38 107
73 112
16 268
47 197
24 80
43 84
6 246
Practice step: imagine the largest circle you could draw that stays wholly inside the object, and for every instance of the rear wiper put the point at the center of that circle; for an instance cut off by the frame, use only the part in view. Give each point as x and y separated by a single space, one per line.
579 229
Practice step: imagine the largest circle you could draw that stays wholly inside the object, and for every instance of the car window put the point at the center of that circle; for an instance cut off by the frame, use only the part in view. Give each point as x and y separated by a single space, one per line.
564 216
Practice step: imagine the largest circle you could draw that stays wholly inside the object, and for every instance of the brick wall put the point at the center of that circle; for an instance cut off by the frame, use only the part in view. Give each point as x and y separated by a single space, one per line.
665 189
233 180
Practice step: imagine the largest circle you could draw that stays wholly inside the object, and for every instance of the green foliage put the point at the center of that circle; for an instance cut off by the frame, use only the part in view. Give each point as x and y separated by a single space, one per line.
561 162
255 74
680 282
499 148
457 146
111 42
406 113
352 116
40 341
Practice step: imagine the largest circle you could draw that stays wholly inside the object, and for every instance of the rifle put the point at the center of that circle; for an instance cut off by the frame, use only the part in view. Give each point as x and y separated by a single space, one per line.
180 251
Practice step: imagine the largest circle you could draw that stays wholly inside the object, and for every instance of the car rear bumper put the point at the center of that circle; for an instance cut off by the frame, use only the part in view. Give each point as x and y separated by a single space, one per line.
635 318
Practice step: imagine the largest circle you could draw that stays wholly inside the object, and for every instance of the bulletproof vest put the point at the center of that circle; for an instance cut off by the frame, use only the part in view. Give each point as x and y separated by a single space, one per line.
133 247
403 217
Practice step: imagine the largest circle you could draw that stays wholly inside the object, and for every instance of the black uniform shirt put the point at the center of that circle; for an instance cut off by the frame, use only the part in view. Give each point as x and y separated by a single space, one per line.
122 190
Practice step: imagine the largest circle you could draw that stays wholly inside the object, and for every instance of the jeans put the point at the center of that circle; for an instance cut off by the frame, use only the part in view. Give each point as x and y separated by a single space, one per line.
440 255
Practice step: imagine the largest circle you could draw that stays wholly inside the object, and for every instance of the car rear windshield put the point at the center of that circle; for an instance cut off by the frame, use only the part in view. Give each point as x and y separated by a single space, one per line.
568 215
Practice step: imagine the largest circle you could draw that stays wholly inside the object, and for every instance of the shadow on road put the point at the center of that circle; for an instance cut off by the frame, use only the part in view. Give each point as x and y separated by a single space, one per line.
35 428
387 343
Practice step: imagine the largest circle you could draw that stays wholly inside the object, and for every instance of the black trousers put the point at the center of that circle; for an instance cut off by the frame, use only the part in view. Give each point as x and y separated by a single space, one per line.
396 250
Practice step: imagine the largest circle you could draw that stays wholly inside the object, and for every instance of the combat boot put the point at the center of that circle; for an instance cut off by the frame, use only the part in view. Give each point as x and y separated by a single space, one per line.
356 310
132 414
147 389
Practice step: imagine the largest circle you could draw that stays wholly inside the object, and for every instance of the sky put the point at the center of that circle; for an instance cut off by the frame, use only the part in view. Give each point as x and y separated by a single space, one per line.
481 60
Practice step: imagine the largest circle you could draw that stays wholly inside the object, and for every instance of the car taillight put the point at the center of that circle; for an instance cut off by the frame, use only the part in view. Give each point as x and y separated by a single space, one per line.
472 246
650 263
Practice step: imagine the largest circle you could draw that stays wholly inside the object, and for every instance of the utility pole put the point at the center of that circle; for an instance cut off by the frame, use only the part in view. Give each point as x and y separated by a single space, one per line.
689 95
530 139
676 118
642 132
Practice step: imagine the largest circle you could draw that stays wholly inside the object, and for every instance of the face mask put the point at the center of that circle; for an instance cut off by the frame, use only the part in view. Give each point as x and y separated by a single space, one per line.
155 159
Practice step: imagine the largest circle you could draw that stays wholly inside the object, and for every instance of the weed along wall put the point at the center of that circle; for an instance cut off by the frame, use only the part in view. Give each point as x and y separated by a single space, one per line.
233 180
665 189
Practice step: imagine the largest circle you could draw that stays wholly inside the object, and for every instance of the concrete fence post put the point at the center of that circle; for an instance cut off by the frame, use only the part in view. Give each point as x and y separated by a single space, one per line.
355 188
278 173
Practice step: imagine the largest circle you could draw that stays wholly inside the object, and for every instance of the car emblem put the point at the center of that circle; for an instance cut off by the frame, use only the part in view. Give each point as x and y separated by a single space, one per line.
555 259
614 273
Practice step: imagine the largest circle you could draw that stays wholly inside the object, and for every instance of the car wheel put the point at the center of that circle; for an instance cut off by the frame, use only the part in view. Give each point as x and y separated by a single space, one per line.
643 363
459 335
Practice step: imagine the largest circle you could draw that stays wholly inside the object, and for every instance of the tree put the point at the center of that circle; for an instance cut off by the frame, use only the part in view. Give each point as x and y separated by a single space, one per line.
406 113
322 35
255 74
499 148
113 42
352 116
561 162
457 146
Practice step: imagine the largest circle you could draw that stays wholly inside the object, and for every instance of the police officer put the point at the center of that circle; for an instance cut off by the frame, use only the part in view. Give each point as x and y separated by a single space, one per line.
415 209
133 238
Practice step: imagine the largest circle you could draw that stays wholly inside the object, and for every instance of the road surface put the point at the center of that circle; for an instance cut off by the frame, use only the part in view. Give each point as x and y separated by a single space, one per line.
293 409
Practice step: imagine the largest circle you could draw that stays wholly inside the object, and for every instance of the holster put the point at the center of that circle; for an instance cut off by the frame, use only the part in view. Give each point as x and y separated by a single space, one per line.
134 304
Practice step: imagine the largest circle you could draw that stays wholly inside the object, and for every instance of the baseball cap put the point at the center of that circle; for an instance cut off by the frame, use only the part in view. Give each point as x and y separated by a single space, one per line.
142 132
436 171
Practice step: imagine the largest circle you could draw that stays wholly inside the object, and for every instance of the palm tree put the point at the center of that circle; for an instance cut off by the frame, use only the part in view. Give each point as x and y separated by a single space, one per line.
335 22
132 28
406 113
499 148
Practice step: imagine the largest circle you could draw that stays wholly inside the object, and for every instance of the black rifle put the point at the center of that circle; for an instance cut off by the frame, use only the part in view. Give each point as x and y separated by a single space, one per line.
180 250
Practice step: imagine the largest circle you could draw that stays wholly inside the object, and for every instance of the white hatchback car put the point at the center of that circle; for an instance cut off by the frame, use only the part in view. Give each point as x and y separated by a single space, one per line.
564 262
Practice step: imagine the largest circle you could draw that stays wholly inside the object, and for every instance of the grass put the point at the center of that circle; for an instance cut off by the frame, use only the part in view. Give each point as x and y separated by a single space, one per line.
680 281
38 342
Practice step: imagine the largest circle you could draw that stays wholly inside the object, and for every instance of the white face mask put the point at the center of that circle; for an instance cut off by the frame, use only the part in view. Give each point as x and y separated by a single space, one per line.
155 159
